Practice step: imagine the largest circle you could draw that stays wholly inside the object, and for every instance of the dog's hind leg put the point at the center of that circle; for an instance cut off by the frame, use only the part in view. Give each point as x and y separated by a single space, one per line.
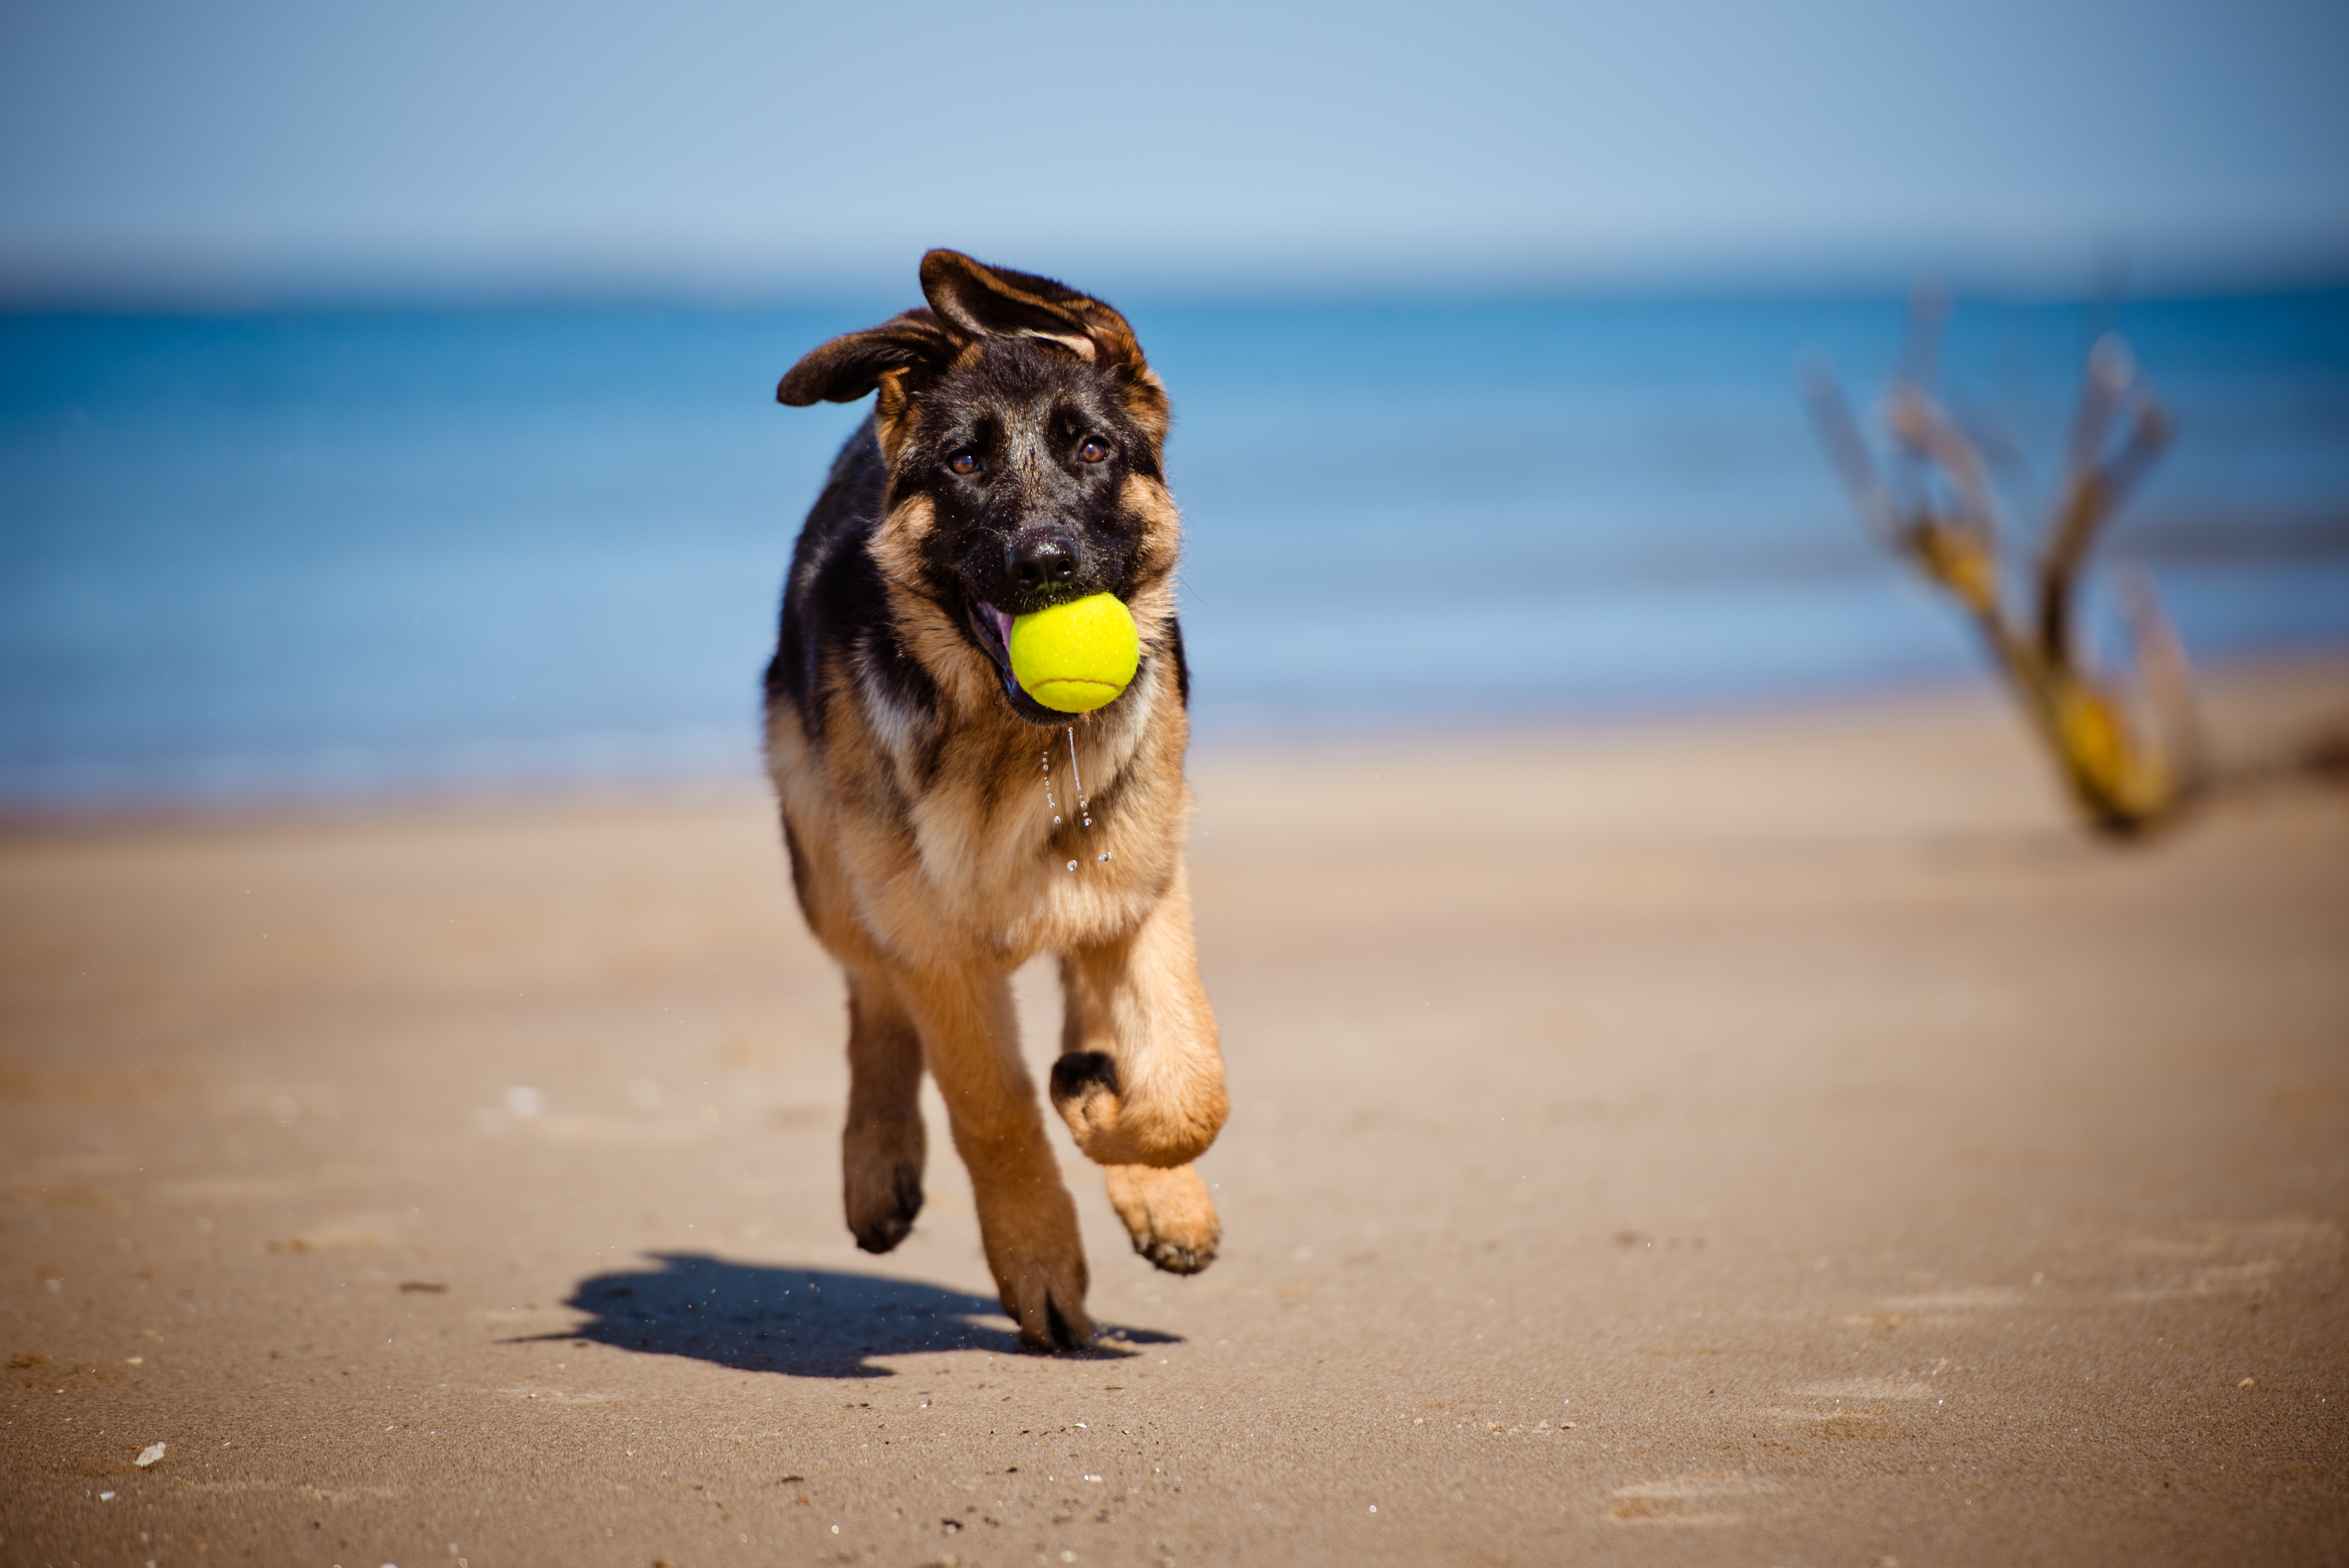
1140 1080
1027 1221
883 1146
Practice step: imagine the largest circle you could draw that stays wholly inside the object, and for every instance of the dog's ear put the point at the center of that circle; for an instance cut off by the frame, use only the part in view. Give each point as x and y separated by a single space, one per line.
849 367
980 301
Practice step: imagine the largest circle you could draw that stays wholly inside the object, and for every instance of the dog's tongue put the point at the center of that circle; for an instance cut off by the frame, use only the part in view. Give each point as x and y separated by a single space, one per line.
1000 623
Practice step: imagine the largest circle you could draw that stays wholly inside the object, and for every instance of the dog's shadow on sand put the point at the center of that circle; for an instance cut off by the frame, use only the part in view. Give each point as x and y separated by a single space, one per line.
802 1322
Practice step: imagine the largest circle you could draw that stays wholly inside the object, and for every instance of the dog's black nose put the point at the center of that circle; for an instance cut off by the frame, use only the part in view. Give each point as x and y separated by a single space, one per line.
1042 558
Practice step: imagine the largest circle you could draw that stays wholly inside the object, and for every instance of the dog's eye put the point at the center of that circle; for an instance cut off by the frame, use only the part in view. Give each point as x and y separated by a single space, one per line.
1092 449
963 463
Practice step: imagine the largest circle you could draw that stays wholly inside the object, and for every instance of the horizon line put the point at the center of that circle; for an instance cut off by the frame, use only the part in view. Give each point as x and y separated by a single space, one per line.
25 292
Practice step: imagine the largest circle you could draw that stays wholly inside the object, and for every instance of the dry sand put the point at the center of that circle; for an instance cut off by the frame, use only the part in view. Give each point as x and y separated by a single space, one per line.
1766 1140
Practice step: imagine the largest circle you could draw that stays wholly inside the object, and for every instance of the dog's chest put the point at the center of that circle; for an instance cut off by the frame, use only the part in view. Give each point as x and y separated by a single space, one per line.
1005 875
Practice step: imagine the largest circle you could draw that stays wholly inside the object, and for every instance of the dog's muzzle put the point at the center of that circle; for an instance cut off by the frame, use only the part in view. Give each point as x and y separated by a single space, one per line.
991 628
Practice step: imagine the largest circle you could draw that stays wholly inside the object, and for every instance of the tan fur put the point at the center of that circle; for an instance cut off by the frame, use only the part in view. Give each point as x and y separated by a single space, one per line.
882 1153
1139 991
929 865
1168 1213
890 409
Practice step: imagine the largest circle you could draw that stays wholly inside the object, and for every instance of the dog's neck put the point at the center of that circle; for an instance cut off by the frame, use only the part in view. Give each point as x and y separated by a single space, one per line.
971 715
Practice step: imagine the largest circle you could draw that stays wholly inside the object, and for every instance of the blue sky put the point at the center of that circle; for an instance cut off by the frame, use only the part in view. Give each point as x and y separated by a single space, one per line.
271 146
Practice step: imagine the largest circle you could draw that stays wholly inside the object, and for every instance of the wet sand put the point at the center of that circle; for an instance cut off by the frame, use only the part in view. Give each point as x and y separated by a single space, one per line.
1764 1140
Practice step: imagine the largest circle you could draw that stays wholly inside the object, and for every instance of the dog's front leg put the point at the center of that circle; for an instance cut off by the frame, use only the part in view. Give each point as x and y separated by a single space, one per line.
1167 1212
882 1150
1027 1220
1140 1080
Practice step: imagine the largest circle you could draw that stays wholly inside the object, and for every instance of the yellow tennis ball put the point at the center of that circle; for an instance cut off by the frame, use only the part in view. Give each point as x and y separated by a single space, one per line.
1075 656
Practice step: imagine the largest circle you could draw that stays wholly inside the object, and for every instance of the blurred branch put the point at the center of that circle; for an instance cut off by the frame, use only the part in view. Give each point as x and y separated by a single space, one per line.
2167 678
2120 776
2096 481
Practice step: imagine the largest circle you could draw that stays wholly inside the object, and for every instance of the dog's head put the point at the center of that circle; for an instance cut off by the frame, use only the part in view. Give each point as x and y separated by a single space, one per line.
1022 433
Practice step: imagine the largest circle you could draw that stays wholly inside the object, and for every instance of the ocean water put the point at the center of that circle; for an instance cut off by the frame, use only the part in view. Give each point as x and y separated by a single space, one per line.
299 555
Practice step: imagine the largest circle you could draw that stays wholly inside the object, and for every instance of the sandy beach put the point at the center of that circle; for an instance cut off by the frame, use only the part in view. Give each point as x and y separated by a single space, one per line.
1766 1139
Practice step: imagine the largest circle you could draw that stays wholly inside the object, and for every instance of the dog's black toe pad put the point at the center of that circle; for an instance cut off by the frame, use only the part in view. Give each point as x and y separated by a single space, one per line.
1080 1071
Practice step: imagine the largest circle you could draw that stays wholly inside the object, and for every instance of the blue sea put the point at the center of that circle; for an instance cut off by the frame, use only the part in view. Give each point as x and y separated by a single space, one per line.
338 554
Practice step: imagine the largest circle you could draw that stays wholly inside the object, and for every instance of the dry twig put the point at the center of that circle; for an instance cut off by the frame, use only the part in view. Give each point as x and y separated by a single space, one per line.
2126 775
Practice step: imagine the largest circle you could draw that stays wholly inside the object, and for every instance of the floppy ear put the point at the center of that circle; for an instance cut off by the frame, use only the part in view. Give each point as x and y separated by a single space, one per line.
995 302
847 368
982 301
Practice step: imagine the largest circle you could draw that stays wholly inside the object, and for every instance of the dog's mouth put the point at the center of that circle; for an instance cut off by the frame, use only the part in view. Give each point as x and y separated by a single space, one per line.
992 630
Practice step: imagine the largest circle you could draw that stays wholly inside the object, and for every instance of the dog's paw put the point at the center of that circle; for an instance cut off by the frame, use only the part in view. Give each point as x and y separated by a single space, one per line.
1044 1293
881 1166
1113 1128
1168 1213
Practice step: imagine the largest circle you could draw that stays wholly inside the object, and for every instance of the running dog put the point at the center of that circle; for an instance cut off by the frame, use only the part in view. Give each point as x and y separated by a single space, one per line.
943 828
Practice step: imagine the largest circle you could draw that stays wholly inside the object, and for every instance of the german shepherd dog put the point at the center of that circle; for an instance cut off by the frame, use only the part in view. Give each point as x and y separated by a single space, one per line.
943 828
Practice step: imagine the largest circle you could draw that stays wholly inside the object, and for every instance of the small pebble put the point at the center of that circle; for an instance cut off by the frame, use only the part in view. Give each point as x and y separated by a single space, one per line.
2248 1383
149 1454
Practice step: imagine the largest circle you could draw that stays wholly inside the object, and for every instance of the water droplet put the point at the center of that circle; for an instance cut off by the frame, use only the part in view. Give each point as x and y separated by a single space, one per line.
1073 864
1056 821
1104 856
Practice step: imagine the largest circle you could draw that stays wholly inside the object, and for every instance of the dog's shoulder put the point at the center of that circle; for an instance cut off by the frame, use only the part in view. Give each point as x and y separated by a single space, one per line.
836 604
